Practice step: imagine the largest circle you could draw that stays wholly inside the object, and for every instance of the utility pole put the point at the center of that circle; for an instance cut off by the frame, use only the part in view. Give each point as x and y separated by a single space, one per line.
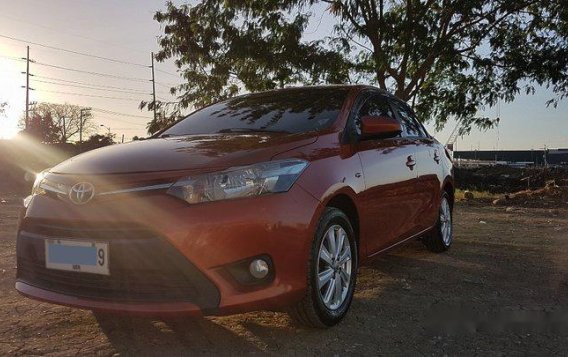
81 123
64 138
27 86
153 88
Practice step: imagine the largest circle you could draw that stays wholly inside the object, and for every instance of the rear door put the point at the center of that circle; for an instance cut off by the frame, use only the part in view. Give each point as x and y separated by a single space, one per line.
390 192
428 167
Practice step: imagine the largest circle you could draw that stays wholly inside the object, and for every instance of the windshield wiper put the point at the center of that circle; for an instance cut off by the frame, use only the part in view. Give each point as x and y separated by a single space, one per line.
251 130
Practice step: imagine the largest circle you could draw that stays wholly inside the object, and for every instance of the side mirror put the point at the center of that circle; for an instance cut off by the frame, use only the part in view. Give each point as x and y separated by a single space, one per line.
380 126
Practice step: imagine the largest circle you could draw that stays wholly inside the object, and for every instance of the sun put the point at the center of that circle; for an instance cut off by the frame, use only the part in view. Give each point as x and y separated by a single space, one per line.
8 129
11 92
8 121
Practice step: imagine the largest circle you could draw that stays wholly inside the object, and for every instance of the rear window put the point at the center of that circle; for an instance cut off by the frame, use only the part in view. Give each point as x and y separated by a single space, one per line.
291 111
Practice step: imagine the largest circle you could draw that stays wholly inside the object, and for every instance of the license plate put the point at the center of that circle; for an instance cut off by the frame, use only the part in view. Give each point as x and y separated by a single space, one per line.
79 256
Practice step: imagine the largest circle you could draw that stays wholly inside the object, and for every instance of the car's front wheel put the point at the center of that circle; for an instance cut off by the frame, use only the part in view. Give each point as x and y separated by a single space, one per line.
332 272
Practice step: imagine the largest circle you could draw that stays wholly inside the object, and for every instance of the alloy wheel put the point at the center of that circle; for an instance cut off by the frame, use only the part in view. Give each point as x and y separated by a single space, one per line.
446 222
334 267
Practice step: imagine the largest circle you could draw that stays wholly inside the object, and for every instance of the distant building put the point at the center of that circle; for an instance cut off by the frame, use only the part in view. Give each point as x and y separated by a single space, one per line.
517 157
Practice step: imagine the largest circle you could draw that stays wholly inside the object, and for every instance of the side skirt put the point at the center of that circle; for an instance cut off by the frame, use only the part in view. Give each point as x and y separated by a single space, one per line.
415 236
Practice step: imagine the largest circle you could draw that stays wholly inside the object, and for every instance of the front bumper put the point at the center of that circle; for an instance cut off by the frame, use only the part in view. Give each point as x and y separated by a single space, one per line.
170 257
154 308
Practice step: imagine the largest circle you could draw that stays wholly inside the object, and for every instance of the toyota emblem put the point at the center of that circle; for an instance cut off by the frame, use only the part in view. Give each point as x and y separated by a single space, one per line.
81 193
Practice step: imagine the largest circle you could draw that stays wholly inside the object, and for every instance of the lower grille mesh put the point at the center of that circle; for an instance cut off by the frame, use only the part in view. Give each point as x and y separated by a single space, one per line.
143 267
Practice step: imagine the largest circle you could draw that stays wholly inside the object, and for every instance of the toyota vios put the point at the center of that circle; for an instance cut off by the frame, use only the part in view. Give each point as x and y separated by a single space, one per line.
263 201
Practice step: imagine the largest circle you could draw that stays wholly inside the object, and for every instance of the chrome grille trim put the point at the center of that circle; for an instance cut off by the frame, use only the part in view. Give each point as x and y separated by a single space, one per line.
138 189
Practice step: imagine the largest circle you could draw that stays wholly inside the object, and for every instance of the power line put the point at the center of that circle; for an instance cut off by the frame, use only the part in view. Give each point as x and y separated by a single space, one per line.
90 95
82 53
106 111
165 101
122 46
94 88
166 85
119 120
135 79
166 93
88 84
75 52
13 58
168 73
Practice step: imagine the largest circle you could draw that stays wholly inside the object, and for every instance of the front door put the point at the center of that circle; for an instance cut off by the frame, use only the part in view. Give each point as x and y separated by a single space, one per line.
428 167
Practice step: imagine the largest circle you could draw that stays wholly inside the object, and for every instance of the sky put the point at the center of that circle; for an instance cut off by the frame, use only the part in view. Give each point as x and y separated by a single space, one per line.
125 30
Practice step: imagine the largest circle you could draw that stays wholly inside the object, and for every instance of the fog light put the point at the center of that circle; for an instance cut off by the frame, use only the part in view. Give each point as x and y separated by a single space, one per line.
259 268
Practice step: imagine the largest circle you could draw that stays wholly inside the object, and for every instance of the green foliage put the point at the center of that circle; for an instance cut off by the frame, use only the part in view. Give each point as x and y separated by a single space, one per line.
446 58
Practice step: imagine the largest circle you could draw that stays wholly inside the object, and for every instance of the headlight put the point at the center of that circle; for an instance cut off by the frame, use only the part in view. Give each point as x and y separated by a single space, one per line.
245 181
43 184
36 188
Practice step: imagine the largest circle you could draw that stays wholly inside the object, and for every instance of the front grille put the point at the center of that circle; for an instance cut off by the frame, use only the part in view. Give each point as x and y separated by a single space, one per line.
143 267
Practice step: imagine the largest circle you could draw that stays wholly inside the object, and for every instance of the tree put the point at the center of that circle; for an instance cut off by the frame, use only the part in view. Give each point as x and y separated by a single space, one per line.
447 58
96 141
65 121
42 128
3 106
167 114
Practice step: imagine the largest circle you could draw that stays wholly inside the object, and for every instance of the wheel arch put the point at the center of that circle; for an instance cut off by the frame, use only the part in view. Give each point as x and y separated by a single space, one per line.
448 187
344 203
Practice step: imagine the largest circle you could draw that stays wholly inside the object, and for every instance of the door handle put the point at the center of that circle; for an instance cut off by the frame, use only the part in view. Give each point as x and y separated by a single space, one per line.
410 162
436 156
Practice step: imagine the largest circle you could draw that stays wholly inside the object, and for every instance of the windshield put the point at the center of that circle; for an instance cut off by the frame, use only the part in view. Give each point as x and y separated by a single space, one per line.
293 110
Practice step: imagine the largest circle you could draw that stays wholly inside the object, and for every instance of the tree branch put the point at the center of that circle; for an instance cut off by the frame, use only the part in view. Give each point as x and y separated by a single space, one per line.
437 48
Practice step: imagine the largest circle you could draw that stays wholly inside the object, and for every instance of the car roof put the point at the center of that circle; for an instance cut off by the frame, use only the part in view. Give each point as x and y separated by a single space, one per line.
356 87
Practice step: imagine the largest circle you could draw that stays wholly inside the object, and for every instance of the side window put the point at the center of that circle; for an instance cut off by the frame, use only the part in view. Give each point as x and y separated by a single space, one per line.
375 106
410 125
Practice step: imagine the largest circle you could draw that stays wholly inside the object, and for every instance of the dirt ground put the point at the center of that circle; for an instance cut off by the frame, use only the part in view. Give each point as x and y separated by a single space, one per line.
501 289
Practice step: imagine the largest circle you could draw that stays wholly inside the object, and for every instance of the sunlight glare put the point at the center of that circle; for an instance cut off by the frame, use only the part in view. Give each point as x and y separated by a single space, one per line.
11 92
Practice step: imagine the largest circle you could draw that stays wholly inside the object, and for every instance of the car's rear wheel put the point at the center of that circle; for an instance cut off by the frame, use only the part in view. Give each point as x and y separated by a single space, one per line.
441 237
332 273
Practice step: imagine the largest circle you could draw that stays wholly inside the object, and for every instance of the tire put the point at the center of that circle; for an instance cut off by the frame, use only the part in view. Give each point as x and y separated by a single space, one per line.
441 237
314 310
106 320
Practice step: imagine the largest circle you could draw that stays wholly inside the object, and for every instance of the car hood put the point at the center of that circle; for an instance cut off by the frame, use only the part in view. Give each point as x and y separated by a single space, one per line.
192 152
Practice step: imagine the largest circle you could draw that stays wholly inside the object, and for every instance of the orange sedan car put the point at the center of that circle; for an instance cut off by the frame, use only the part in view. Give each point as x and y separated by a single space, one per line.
269 200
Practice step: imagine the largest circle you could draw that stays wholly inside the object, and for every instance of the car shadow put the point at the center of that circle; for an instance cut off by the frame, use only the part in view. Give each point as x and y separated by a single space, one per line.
387 286
144 336
404 302
255 332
